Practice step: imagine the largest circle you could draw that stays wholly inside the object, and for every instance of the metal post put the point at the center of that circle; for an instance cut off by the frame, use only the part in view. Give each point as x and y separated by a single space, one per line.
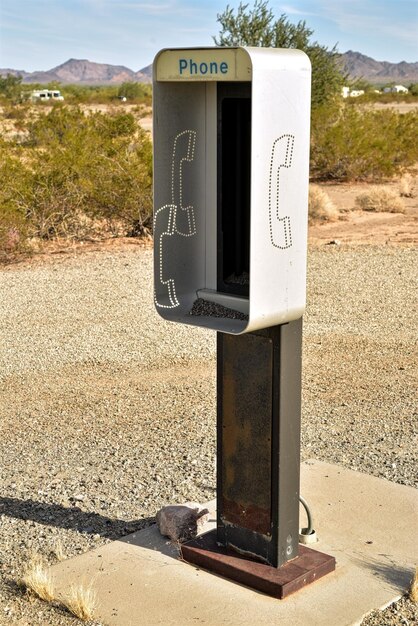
259 400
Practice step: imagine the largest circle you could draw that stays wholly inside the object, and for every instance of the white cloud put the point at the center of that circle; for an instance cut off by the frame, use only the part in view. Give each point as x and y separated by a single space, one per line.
290 10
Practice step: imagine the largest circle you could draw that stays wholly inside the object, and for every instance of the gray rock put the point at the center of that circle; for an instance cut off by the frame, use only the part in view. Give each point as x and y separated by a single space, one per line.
181 522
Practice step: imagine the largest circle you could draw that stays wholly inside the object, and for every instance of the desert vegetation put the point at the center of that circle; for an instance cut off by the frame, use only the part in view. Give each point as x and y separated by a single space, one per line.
321 208
82 168
351 143
80 600
72 173
37 579
13 91
380 199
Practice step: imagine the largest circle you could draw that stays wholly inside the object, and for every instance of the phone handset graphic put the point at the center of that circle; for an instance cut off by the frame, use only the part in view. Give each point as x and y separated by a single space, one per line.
281 157
175 218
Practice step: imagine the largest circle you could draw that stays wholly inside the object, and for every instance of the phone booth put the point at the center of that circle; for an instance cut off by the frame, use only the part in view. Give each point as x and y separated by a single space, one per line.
231 167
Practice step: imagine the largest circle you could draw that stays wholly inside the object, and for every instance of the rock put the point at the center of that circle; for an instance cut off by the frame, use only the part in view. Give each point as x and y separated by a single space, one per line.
181 522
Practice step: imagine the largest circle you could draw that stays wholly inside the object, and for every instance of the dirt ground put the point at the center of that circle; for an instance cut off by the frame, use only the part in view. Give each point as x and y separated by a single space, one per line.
364 227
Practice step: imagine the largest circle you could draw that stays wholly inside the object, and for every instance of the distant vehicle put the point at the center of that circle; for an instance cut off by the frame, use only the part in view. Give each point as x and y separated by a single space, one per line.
46 95
353 93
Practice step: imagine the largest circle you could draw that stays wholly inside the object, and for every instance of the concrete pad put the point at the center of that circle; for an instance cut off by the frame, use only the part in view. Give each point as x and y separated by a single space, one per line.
367 523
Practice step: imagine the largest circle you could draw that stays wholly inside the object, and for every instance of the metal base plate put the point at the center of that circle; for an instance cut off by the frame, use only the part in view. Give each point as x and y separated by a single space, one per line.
277 582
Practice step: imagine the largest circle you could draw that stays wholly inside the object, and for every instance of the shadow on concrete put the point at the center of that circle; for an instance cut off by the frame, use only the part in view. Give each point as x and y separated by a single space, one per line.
386 569
151 539
72 518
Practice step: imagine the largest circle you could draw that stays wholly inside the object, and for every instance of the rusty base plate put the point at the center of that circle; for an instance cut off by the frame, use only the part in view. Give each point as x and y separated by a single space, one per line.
277 582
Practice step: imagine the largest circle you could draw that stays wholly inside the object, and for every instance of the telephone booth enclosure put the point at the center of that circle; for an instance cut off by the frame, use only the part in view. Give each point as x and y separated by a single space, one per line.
231 165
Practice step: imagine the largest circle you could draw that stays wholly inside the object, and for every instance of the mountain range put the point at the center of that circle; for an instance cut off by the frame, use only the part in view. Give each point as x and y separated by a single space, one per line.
358 65
81 71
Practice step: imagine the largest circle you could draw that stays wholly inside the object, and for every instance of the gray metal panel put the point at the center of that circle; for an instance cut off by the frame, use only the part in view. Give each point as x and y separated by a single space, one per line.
258 456
246 406
179 195
287 440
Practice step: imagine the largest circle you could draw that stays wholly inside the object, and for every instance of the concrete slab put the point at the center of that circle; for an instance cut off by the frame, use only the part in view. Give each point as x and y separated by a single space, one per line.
367 523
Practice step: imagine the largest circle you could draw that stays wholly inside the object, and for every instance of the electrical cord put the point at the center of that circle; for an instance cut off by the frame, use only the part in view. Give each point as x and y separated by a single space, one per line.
309 529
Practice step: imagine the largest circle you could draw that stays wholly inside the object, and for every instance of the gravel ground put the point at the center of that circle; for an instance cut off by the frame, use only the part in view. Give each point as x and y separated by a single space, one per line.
108 412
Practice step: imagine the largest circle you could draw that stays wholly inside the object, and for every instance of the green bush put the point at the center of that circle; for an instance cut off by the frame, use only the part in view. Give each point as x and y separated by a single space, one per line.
14 188
258 26
350 143
77 173
135 92
10 88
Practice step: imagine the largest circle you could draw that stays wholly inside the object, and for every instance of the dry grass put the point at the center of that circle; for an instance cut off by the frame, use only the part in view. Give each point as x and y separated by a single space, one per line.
58 551
37 579
81 602
406 186
321 207
413 592
380 199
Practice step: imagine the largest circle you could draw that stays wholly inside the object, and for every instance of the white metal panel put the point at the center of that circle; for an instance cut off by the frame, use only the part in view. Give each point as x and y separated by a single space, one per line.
279 185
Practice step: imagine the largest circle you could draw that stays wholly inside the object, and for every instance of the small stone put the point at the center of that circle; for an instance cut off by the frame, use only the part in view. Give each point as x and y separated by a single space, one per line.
181 522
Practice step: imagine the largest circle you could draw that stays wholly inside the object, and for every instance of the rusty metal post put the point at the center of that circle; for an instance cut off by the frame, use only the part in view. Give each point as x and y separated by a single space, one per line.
259 408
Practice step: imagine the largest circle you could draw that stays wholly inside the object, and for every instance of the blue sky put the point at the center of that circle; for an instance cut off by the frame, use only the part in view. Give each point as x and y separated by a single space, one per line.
40 34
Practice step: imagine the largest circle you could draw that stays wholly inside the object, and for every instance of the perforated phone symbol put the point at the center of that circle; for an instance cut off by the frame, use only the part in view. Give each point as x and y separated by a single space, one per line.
281 157
175 218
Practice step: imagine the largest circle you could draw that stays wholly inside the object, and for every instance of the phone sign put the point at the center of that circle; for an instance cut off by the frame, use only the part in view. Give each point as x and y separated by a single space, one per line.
215 64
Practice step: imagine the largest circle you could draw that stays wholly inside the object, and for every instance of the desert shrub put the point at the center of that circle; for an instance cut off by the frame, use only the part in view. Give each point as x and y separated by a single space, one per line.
101 162
10 88
135 92
380 199
321 207
14 189
76 172
406 186
89 94
12 232
350 143
16 112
